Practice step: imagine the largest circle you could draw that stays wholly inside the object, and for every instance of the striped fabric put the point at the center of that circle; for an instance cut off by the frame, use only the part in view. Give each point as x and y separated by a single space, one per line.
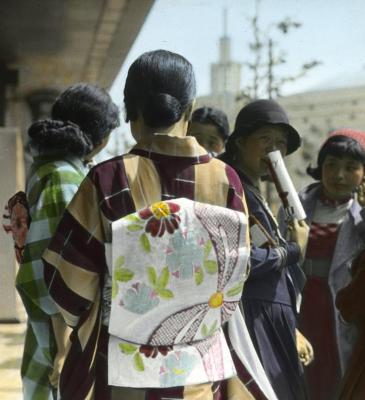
160 168
51 185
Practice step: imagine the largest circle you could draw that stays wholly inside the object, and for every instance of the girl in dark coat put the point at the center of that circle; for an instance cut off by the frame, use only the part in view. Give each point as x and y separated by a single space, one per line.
269 297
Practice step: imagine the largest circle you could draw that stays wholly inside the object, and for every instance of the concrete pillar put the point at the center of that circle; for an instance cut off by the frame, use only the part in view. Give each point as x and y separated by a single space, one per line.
11 181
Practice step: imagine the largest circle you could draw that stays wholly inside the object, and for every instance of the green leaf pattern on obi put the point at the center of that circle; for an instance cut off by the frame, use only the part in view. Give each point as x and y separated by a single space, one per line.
211 266
235 290
160 282
138 362
205 331
128 348
198 275
120 275
132 350
145 243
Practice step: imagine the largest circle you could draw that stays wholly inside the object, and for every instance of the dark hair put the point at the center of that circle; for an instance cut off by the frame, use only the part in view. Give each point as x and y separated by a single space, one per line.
210 115
161 86
81 117
257 114
337 146
59 137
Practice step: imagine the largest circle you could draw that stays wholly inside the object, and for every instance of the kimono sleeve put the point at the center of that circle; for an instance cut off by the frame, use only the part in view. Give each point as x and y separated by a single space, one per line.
236 198
56 195
48 196
75 259
266 260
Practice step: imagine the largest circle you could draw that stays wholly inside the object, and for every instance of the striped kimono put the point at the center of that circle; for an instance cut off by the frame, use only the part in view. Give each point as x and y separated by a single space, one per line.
51 185
161 167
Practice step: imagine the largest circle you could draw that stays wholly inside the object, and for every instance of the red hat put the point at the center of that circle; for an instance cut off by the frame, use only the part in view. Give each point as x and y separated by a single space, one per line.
358 136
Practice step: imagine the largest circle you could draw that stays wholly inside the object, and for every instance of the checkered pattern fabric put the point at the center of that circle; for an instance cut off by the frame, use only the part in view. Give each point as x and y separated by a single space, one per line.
50 187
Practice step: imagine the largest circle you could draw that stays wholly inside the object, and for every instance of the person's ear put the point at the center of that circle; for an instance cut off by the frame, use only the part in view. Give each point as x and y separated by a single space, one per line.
240 141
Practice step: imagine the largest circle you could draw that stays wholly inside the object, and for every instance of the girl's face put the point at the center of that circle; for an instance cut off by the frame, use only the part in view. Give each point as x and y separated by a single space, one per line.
254 148
341 176
207 136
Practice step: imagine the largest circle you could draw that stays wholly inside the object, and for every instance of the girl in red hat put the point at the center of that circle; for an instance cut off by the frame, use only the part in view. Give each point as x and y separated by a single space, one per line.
337 233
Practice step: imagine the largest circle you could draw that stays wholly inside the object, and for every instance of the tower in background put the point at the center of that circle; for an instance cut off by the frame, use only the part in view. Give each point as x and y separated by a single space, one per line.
225 74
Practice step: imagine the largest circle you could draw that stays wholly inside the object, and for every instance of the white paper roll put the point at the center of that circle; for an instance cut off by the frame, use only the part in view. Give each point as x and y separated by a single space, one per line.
277 162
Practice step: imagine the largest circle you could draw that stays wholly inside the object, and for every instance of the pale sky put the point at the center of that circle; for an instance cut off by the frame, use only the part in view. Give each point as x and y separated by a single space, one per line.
333 32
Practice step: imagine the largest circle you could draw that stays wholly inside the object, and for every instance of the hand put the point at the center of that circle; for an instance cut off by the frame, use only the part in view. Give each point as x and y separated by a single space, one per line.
361 194
298 233
304 348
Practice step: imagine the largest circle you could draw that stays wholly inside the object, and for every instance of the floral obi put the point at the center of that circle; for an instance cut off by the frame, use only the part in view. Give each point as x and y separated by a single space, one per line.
178 270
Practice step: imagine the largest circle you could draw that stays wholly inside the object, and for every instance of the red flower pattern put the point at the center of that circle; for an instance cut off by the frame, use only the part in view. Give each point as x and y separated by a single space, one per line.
152 351
161 217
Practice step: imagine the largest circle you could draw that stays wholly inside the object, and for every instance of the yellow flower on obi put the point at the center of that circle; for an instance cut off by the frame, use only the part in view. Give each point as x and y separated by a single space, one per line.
216 300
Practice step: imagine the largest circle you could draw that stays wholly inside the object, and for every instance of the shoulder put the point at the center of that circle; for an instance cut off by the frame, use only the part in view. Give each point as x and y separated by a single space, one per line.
58 173
229 172
309 192
108 169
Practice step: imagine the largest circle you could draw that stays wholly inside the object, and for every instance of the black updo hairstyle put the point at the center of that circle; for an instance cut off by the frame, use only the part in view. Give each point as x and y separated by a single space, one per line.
337 146
82 116
210 115
161 86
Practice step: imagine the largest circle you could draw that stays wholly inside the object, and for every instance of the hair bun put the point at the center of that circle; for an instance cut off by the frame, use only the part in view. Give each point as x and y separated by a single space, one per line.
161 109
59 136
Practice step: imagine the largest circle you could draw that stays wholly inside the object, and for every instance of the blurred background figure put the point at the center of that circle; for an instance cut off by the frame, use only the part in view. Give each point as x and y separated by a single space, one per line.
83 117
268 299
211 129
337 232
350 301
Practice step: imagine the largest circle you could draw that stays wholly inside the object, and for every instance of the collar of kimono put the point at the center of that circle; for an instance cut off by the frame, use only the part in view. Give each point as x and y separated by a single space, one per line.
168 145
327 201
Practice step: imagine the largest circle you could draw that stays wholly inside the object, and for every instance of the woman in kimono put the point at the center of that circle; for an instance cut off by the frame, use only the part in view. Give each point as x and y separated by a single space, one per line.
269 297
82 118
164 165
337 233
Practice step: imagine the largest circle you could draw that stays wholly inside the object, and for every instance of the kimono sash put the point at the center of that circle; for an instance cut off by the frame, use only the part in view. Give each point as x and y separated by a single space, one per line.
178 270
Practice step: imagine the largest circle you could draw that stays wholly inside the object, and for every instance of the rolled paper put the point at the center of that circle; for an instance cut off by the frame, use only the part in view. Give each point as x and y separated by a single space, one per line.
287 192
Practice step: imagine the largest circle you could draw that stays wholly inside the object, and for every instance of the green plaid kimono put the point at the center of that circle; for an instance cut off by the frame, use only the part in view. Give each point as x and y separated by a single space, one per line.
51 185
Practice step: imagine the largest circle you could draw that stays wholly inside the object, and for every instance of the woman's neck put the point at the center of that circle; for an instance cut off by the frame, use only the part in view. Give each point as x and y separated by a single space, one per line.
140 129
252 176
